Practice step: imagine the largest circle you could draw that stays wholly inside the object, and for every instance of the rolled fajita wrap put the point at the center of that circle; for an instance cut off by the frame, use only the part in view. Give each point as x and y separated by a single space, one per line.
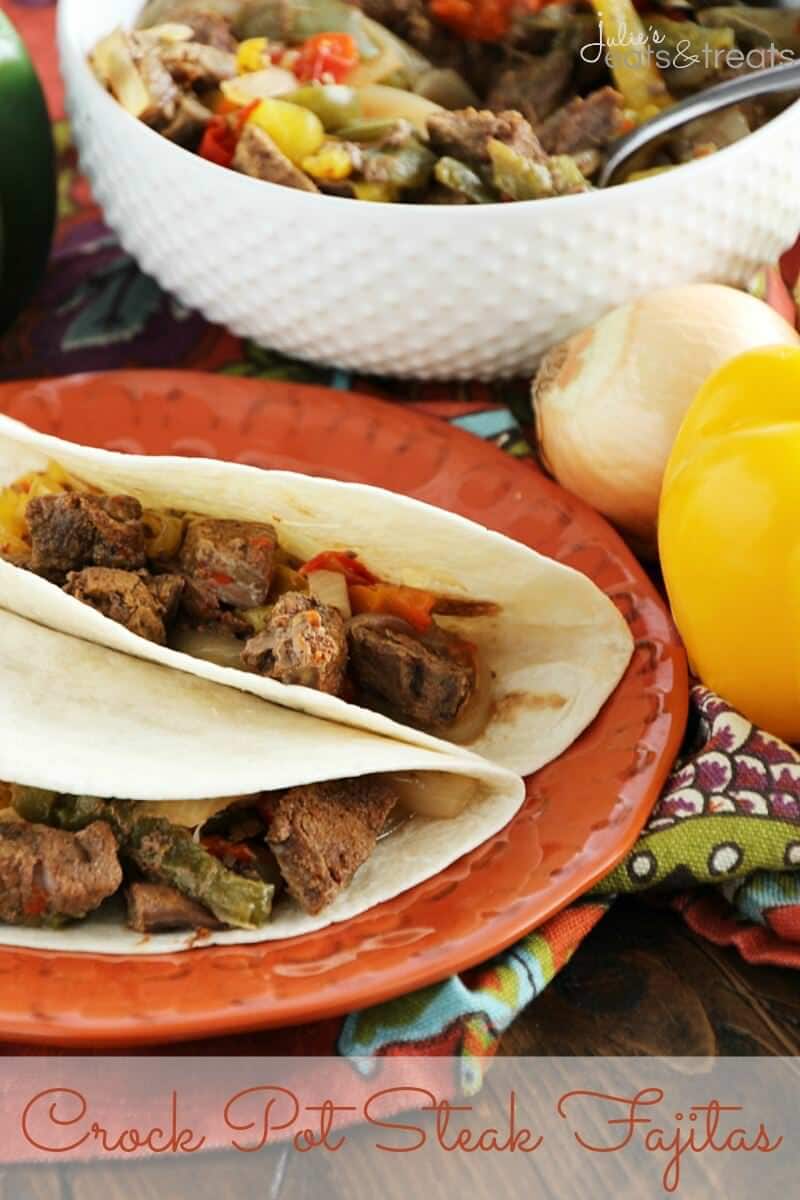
336 599
145 810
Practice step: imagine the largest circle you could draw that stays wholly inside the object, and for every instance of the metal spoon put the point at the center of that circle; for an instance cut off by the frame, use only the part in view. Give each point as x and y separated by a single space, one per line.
783 78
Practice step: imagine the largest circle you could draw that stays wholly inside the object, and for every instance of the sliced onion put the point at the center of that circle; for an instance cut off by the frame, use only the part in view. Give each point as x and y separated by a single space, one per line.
445 86
187 813
379 103
258 85
474 717
163 534
221 648
171 32
373 70
412 62
330 587
115 68
435 794
395 820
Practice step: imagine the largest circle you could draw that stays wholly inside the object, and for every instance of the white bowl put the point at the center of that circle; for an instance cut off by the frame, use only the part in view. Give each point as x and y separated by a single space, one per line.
417 290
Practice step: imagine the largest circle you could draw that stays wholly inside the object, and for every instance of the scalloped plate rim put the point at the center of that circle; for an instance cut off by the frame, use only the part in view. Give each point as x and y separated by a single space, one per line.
23 1024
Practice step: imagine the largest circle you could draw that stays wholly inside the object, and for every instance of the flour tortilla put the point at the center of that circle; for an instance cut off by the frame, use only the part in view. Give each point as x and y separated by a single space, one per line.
557 648
80 719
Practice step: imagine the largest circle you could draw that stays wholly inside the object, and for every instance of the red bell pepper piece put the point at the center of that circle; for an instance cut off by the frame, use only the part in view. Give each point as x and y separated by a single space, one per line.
222 136
343 561
327 56
410 604
221 848
483 20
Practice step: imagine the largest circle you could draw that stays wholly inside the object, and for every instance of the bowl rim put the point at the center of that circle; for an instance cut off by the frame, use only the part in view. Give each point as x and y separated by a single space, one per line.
688 172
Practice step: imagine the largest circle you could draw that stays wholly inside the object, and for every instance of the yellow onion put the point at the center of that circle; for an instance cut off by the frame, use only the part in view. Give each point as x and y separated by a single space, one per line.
609 401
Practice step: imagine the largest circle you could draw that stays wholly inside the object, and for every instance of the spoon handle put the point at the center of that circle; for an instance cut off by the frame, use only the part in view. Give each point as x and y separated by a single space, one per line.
782 78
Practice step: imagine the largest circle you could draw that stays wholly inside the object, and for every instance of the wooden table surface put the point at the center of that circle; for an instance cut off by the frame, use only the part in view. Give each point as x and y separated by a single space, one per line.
642 983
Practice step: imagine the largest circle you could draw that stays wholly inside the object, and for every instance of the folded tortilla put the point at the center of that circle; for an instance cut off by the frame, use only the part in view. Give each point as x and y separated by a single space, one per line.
557 647
82 720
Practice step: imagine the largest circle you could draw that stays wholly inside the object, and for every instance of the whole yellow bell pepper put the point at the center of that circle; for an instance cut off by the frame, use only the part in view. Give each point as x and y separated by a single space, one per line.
729 536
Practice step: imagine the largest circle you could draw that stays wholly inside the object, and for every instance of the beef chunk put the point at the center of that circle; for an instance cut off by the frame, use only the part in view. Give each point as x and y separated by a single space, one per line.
257 155
423 682
322 833
466 134
305 643
78 529
231 562
141 604
412 20
47 874
209 28
155 907
534 85
583 124
192 64
162 90
167 590
188 125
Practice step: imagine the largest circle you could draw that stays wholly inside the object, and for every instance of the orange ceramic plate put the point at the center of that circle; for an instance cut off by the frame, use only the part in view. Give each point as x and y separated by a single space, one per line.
582 814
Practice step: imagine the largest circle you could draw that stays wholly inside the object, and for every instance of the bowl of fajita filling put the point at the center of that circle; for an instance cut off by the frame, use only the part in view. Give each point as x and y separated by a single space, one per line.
410 186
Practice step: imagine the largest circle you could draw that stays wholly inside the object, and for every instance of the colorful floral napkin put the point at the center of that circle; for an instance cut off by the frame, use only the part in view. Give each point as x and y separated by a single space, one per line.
723 843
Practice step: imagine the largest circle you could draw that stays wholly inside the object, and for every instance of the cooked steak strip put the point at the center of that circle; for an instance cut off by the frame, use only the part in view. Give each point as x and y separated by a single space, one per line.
304 643
187 126
143 605
155 907
163 92
322 833
209 28
167 590
231 562
79 529
192 64
533 85
201 609
48 876
422 682
583 124
466 134
257 155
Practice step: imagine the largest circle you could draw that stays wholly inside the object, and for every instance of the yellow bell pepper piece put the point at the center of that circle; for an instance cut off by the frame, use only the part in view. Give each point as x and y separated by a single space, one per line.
252 55
297 131
729 536
332 162
633 67
12 514
379 193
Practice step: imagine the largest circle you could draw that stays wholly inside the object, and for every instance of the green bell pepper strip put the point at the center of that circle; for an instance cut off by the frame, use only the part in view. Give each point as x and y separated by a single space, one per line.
461 179
335 105
159 849
27 176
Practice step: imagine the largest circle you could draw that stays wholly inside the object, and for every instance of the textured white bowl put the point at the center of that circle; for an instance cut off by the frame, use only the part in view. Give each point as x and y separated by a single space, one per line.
422 291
